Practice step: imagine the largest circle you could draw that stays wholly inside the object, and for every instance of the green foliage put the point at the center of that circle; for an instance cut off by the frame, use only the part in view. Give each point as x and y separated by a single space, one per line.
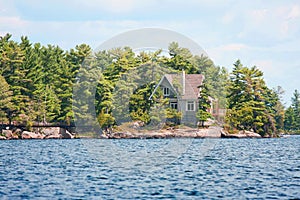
203 113
140 104
40 79
5 99
251 105
173 116
38 82
292 115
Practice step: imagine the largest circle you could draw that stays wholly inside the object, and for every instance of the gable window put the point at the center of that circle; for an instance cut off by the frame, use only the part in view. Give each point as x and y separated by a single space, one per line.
190 106
173 105
166 91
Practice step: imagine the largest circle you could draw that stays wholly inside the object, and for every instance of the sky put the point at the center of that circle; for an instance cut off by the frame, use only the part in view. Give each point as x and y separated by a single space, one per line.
261 33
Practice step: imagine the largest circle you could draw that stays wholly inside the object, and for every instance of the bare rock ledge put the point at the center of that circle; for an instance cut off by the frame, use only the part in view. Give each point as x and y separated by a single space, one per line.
241 134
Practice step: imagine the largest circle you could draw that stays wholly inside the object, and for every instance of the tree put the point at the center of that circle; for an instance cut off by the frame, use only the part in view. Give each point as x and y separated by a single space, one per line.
296 108
5 98
250 102
203 113
289 121
292 114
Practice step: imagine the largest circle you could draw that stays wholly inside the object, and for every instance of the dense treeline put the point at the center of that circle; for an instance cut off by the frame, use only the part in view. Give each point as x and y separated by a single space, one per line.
252 106
37 84
38 80
292 115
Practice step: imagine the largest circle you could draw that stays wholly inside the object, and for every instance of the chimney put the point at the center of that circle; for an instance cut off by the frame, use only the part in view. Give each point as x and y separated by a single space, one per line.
183 82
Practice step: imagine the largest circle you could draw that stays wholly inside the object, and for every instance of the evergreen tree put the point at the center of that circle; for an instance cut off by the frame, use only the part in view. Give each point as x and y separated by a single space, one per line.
203 113
250 101
292 114
296 109
289 121
5 99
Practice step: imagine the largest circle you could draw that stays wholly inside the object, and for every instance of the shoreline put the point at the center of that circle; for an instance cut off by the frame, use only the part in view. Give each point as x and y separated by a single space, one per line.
55 133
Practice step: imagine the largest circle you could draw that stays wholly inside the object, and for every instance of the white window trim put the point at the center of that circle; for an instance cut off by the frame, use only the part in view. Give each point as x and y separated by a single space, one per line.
167 90
187 105
174 103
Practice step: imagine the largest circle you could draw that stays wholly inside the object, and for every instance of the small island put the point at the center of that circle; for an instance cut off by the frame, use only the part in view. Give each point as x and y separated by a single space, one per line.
51 93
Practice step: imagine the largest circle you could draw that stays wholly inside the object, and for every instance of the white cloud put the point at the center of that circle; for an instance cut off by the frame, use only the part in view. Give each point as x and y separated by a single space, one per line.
228 18
266 66
232 47
7 8
114 6
294 13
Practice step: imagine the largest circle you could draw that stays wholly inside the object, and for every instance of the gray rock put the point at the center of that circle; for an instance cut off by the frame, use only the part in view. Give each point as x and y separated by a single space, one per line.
66 135
250 134
57 136
2 137
51 131
241 134
9 135
31 135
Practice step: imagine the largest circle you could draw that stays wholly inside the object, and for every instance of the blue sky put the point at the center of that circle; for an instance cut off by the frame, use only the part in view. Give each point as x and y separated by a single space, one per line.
261 33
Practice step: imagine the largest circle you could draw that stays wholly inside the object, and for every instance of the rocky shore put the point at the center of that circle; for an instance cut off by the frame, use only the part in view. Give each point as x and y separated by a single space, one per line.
166 133
43 133
56 133
241 134
212 132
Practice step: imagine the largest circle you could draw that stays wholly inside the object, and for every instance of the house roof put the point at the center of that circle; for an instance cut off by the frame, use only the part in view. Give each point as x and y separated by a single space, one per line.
192 82
187 89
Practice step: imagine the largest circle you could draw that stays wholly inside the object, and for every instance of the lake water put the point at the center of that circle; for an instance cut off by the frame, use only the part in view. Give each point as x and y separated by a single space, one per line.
158 169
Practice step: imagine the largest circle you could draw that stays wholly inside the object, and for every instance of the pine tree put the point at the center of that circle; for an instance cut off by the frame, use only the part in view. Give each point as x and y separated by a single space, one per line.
250 101
5 99
289 121
203 113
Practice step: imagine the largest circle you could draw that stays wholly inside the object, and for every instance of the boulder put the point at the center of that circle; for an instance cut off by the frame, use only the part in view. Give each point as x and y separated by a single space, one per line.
250 134
241 134
50 131
67 135
120 135
2 137
56 136
31 135
9 135
18 132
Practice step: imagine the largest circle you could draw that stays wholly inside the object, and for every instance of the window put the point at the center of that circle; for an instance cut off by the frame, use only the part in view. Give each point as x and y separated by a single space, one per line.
190 106
173 105
166 91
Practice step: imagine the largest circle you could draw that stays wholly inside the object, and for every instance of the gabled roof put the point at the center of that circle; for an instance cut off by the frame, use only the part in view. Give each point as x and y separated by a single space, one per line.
187 89
192 83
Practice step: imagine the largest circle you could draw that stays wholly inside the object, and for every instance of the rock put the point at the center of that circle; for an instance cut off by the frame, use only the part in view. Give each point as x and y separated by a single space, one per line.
250 134
66 135
241 134
138 124
31 135
2 137
50 131
57 136
119 135
18 132
9 135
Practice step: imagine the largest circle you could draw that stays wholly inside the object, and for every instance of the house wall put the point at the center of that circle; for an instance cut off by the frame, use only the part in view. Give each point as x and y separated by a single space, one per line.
166 83
188 117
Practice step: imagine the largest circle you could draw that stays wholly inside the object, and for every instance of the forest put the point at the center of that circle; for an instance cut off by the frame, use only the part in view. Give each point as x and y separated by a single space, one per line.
38 84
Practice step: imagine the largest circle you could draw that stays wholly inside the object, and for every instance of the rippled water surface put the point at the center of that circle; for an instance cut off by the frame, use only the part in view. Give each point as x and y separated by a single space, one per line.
131 169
